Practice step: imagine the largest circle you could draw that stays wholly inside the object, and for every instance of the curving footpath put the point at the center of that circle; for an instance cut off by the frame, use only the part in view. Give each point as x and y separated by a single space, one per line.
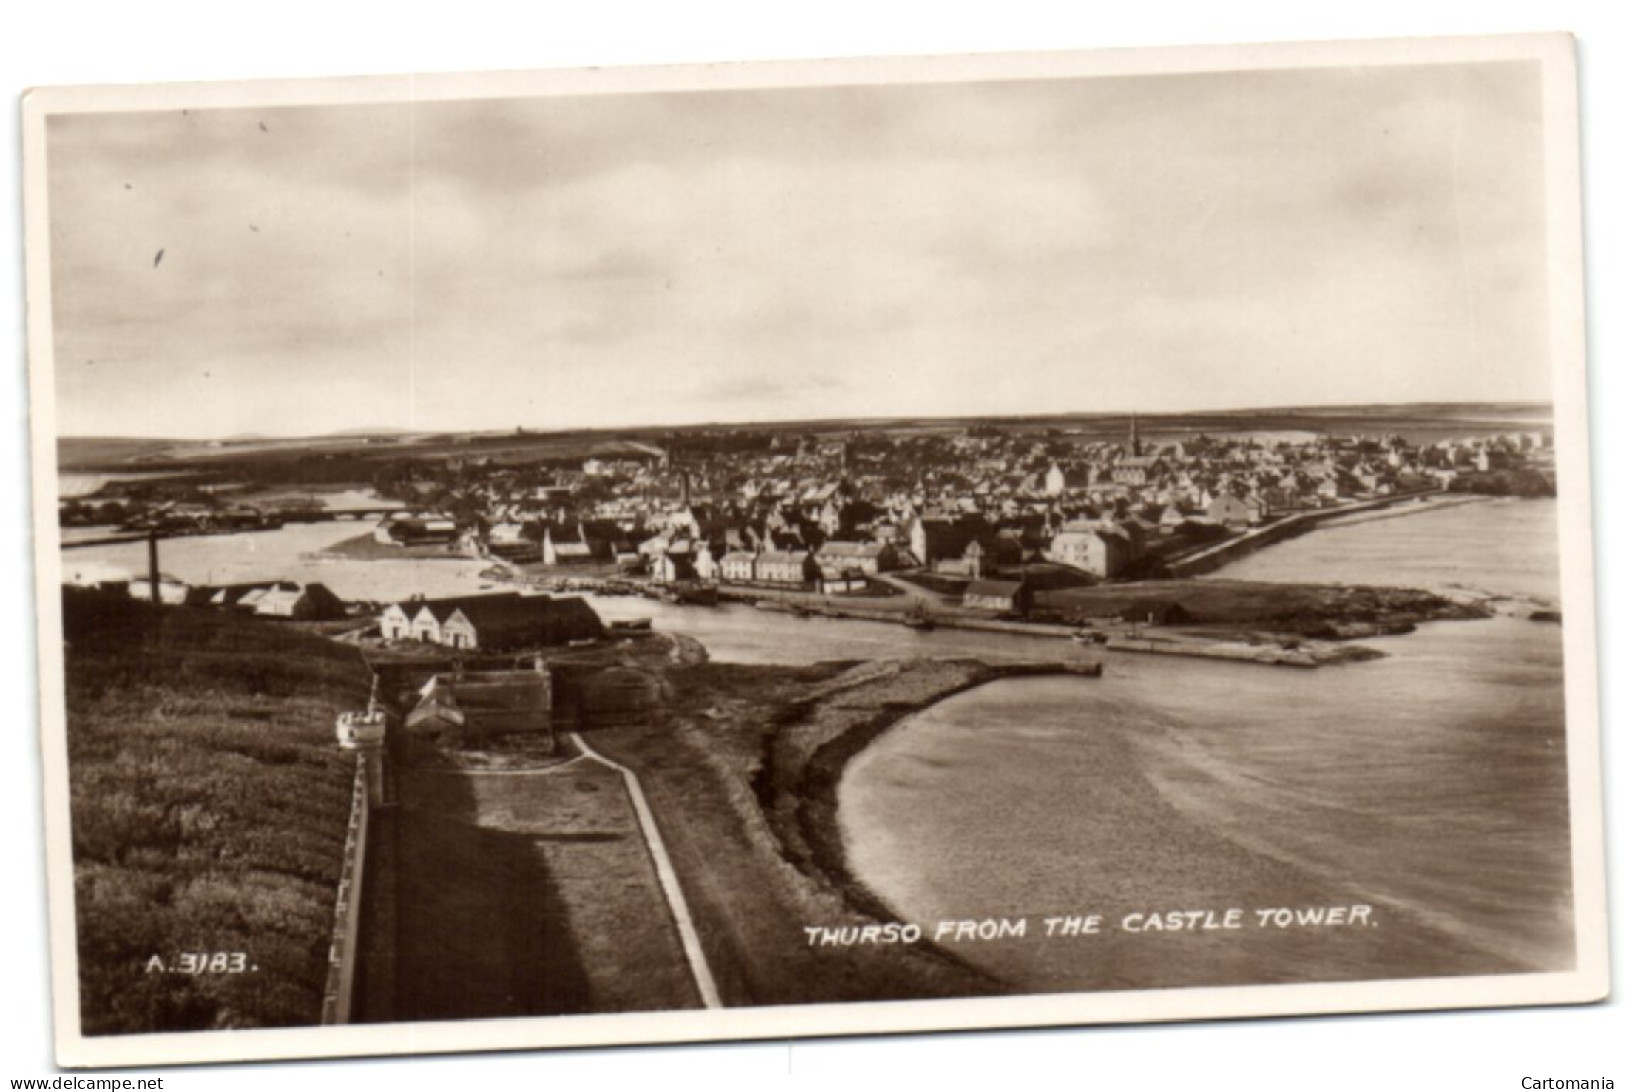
700 970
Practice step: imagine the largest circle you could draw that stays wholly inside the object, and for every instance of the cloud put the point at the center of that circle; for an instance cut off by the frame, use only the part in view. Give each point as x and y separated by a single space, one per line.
1161 242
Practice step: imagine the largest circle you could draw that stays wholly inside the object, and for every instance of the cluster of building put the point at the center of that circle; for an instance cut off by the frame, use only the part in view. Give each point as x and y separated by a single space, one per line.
289 599
496 622
498 685
835 512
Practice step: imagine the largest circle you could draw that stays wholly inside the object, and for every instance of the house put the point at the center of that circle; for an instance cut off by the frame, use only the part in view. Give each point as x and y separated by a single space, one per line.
999 596
226 596
785 567
469 708
931 540
671 568
705 566
1172 519
982 556
1231 511
565 553
395 624
1099 550
837 558
506 532
171 589
657 544
249 601
399 621
972 564
738 567
501 623
829 517
417 530
1137 469
304 603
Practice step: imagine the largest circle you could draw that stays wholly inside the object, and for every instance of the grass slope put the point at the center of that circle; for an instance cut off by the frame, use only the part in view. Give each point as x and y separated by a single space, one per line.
208 812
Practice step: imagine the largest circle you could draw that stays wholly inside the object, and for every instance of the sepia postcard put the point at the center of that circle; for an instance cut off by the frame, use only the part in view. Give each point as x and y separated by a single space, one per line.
821 548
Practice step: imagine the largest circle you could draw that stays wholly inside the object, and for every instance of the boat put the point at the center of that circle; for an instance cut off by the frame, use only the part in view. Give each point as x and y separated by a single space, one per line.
919 621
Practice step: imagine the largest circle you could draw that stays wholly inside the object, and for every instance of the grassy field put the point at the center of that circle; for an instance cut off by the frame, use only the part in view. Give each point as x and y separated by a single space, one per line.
748 818
1307 609
208 807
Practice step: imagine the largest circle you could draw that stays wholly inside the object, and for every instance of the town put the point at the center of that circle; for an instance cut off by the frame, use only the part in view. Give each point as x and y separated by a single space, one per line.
981 519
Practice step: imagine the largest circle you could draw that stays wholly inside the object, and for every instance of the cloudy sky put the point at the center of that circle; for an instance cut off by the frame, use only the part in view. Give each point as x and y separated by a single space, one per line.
1155 243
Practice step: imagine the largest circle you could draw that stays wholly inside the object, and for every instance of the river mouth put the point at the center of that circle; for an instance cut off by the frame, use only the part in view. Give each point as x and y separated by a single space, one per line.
1429 786
1044 799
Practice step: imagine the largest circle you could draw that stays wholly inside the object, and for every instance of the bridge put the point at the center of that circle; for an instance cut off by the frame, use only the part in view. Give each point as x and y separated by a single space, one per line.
278 519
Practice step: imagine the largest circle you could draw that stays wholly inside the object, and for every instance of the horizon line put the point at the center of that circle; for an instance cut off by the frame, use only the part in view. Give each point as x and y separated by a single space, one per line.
363 432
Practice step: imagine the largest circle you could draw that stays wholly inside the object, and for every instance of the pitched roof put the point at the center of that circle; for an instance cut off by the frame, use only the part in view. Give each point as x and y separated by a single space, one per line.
530 619
489 690
851 549
783 557
442 609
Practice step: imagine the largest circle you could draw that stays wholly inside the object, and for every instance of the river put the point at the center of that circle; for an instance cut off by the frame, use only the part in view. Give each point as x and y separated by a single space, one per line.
732 632
1429 785
292 552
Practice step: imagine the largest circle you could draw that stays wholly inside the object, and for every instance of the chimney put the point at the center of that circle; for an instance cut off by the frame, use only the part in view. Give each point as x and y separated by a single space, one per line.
152 566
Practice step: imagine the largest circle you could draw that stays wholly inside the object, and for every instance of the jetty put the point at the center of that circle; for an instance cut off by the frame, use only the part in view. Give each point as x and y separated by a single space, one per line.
1215 557
912 618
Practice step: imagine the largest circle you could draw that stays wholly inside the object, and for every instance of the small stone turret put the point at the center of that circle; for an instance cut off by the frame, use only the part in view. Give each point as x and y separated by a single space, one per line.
360 731
364 732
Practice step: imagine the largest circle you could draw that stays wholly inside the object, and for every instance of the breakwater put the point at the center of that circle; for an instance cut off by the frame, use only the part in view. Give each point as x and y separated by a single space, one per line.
1215 557
943 618
1276 655
1198 647
114 538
